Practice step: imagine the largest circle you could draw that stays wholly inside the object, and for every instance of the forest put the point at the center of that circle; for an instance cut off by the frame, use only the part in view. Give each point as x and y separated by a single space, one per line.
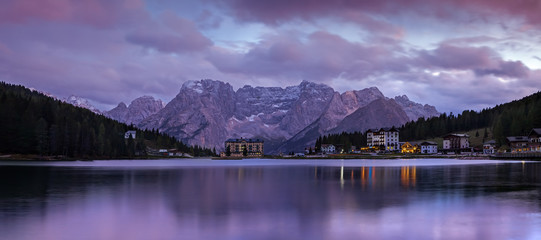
515 118
344 139
33 123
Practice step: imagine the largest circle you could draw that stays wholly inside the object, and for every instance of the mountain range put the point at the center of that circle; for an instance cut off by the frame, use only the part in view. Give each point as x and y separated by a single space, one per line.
207 112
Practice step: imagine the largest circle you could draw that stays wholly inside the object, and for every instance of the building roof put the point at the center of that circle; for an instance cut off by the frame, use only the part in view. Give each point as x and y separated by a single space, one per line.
517 139
249 140
429 143
131 132
326 145
490 142
457 135
535 131
391 129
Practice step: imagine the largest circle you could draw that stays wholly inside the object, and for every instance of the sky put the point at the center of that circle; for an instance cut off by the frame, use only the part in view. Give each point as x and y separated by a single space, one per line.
453 54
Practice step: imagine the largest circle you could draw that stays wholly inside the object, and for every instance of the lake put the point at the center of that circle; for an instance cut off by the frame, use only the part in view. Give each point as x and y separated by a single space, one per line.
271 199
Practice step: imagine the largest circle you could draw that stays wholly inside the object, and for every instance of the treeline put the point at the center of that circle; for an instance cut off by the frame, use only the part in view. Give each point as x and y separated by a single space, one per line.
344 139
510 119
32 123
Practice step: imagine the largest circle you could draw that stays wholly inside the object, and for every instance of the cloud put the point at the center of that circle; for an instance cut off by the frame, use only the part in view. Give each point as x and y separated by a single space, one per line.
481 60
206 19
101 14
317 56
172 34
373 15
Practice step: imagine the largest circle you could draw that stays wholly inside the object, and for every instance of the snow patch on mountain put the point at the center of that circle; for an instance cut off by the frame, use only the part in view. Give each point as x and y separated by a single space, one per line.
81 102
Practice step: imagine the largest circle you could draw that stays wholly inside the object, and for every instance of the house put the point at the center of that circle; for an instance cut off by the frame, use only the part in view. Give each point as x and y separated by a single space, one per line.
456 142
238 147
489 147
518 143
328 148
429 147
130 133
534 140
408 147
383 139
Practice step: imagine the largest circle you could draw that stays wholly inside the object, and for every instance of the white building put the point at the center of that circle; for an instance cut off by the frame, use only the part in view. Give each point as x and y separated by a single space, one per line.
429 147
456 142
384 139
130 133
489 147
328 148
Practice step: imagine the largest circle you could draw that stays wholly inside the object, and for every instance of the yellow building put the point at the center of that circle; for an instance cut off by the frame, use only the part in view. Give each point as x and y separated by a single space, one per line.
247 147
410 148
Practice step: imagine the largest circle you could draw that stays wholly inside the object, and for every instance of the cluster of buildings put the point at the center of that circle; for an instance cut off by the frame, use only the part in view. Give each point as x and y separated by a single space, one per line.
388 140
530 143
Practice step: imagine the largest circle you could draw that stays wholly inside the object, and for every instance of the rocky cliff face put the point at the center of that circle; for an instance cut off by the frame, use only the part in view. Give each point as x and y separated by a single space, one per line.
348 112
139 109
416 110
377 114
198 114
208 112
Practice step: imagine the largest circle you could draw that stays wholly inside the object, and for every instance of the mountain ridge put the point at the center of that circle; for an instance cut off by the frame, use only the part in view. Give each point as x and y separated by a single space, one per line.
207 112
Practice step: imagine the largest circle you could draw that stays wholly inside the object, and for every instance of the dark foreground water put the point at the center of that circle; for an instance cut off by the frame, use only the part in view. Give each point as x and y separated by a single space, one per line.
271 199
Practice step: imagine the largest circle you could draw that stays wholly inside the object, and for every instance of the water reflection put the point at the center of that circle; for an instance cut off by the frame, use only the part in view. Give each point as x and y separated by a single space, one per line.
272 202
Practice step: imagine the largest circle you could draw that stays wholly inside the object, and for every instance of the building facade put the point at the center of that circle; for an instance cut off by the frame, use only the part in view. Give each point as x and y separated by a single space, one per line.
489 147
456 142
408 147
518 143
129 134
534 140
328 148
384 139
238 147
429 147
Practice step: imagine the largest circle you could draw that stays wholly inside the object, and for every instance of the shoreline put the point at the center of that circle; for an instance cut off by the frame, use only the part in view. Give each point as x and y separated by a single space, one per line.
507 156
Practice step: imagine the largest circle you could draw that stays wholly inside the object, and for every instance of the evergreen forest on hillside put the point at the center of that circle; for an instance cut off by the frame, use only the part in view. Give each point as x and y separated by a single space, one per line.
516 118
32 123
344 140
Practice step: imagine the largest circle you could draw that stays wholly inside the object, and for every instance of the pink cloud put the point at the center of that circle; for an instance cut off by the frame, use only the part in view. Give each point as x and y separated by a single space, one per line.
481 60
172 34
280 11
97 13
320 56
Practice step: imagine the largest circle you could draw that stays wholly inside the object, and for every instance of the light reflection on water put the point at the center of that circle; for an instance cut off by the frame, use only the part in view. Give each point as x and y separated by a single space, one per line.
265 200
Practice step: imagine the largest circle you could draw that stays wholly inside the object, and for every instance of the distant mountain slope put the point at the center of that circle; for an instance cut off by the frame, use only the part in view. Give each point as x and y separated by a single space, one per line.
33 123
376 114
415 110
81 102
139 109
198 114
379 113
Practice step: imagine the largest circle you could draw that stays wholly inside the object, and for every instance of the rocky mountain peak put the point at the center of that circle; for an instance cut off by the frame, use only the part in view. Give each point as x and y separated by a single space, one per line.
81 102
402 98
139 109
415 110
205 86
121 105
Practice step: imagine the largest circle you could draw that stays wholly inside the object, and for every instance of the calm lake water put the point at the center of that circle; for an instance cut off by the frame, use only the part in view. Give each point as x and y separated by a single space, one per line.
271 199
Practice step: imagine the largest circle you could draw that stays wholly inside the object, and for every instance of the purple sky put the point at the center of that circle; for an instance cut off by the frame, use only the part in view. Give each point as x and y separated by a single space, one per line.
456 54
